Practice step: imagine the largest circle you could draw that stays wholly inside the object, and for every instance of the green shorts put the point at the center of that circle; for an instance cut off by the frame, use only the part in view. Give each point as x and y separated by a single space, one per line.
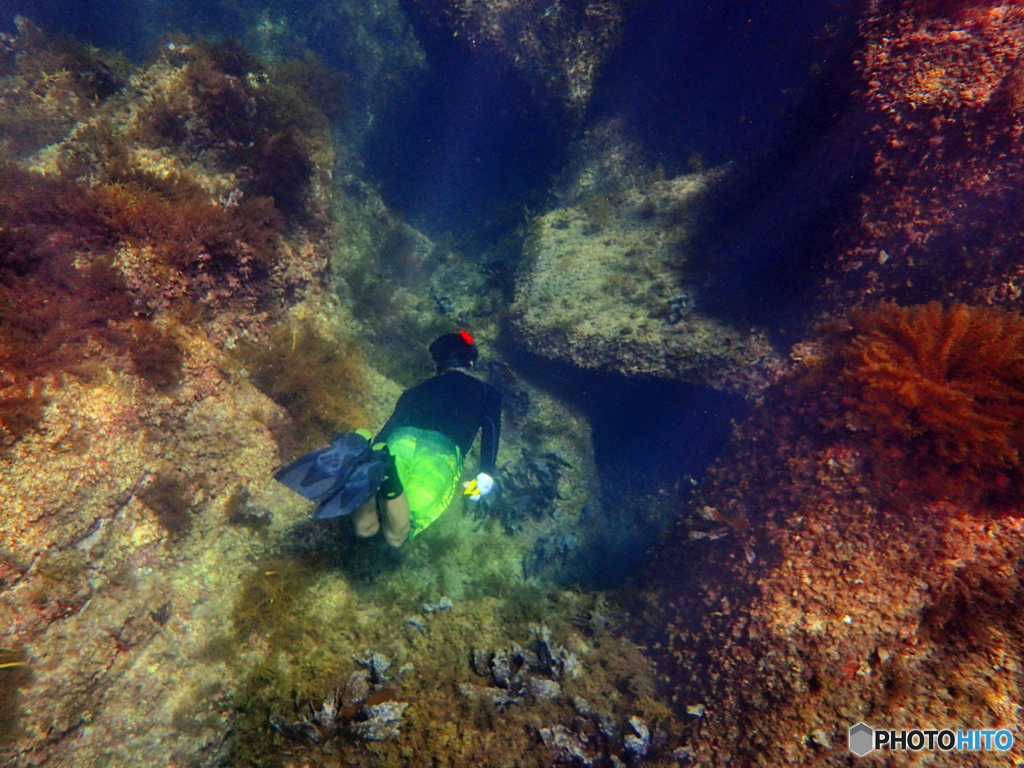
429 465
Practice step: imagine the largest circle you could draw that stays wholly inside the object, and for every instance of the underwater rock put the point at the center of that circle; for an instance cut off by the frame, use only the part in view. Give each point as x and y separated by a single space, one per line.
559 662
328 712
499 697
639 741
481 662
501 669
240 511
552 550
594 741
529 489
444 604
518 673
547 447
820 737
681 755
189 250
936 222
601 289
680 306
377 665
301 730
383 721
582 706
557 48
253 516
47 87
368 710
539 688
568 746
323 726
357 687
870 596
606 726
120 621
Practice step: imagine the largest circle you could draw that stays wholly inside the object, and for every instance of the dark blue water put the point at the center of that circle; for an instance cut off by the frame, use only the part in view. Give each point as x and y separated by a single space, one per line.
653 440
768 87
131 27
472 150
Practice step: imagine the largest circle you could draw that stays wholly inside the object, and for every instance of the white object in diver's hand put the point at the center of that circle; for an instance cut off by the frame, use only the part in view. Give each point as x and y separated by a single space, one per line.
478 487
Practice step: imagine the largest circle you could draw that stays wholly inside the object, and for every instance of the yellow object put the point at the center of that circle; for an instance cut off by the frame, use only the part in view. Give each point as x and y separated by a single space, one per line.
472 488
429 466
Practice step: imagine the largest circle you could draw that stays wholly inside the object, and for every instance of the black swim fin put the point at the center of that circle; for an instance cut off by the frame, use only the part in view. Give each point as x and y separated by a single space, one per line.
340 478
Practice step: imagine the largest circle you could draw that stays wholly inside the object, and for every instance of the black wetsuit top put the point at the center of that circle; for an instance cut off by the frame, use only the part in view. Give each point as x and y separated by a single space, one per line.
456 405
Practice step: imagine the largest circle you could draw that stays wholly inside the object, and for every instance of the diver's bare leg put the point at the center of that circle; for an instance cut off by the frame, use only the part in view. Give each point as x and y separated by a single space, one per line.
396 520
366 521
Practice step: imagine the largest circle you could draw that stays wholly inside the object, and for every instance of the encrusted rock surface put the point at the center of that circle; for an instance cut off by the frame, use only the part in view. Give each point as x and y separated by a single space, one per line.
807 595
945 85
601 287
110 610
818 581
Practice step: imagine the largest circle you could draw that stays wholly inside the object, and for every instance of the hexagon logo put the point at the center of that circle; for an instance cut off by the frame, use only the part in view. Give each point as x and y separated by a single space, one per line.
861 739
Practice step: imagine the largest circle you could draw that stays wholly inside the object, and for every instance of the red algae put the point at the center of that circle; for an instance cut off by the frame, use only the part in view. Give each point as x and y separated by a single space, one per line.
939 396
943 79
93 250
128 263
839 602
190 231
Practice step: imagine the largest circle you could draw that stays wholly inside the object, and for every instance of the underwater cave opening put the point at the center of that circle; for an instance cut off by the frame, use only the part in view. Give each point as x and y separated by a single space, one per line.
469 151
653 439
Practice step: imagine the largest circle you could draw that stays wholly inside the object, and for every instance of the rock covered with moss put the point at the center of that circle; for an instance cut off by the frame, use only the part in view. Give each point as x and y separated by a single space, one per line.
151 232
403 287
103 501
602 287
159 587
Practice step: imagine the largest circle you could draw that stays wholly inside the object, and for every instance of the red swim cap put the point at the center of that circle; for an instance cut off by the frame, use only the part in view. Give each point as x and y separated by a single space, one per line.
454 350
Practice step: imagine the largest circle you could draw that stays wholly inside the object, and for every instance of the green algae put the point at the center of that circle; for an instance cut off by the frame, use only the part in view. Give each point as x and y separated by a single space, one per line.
309 623
197 712
317 378
256 697
270 602
220 648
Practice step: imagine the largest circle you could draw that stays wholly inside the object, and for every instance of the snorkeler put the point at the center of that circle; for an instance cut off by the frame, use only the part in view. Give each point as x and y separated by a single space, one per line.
408 475
428 436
